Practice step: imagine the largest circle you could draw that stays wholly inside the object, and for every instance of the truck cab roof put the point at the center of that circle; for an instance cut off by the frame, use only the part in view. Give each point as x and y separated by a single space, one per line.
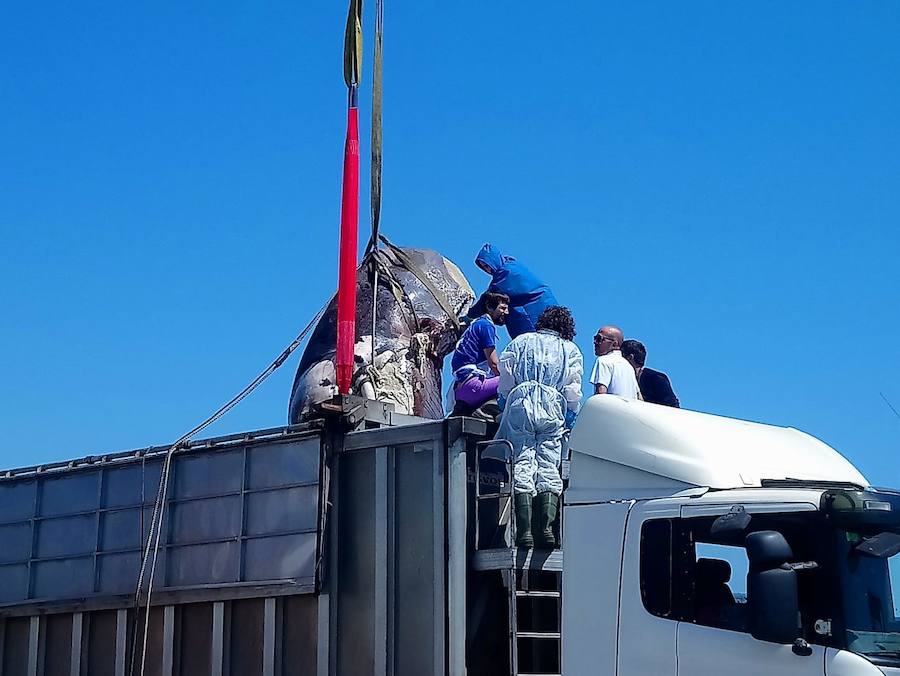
632 449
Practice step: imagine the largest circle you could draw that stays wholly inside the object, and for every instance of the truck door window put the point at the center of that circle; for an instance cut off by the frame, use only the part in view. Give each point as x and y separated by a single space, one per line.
656 566
720 585
736 558
687 577
690 575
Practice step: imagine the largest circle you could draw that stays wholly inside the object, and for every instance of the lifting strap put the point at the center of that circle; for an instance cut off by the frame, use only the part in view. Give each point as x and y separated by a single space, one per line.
375 170
401 258
381 262
376 123
353 45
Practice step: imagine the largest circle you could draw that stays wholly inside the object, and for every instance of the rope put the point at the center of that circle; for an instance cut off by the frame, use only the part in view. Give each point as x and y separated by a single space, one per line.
162 491
890 405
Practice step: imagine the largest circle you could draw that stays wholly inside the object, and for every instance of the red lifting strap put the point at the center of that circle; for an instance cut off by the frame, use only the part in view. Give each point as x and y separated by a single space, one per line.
346 310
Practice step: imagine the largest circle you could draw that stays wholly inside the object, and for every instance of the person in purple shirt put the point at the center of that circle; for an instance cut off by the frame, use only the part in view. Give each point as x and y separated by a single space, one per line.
474 383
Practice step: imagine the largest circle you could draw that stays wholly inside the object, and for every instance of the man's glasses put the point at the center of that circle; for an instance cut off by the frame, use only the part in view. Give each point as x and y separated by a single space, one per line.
600 338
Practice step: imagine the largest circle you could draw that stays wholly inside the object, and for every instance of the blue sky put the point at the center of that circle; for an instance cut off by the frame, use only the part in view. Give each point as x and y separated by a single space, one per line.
719 179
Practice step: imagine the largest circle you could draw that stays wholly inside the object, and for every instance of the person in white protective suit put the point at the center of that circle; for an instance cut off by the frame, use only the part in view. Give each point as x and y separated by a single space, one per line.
540 379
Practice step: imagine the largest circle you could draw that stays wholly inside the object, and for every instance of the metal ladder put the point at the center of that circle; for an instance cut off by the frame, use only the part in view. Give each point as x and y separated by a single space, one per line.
535 622
533 588
503 533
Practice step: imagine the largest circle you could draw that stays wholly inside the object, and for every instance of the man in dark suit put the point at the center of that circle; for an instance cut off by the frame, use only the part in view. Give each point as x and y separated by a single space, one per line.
655 385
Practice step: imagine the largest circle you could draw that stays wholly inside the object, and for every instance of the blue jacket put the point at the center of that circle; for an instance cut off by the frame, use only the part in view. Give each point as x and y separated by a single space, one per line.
528 295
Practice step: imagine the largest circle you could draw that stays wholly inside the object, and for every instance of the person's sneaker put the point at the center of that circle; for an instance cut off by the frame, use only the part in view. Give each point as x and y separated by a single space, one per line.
460 409
489 411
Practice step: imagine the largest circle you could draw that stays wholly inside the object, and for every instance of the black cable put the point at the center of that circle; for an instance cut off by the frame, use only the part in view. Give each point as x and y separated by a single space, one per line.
161 493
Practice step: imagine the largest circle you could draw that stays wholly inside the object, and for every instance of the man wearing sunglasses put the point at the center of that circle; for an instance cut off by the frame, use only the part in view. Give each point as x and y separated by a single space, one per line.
612 374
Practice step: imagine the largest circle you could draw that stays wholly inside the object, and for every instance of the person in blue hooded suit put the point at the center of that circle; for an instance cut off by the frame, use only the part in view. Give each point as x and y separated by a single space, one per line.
528 295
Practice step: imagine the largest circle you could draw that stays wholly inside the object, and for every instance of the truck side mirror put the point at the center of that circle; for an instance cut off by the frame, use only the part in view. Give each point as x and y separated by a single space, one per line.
772 603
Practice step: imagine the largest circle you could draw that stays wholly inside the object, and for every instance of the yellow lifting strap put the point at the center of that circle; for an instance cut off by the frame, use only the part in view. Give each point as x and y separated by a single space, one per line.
353 46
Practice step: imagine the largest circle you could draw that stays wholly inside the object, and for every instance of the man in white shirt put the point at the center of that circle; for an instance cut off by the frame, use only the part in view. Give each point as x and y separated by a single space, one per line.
612 374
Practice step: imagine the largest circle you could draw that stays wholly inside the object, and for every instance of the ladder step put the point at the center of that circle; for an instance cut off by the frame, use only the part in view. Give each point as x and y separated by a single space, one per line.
537 594
539 634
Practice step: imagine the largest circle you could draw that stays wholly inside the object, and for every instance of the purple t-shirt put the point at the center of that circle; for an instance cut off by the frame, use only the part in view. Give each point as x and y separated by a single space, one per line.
480 336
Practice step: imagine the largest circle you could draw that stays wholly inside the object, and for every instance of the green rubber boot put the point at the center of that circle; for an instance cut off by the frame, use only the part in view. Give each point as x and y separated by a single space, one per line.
523 520
547 509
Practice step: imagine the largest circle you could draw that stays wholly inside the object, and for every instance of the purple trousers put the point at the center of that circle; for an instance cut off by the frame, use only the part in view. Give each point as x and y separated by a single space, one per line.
475 391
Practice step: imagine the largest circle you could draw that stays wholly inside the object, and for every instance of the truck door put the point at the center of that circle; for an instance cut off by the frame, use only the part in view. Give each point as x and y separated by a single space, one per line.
647 634
591 581
710 651
713 636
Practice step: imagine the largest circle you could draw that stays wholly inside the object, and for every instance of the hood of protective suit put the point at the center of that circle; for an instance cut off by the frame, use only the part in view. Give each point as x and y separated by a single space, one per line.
491 257
528 295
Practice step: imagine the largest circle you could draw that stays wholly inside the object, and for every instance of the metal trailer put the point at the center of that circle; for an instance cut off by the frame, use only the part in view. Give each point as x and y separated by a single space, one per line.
363 543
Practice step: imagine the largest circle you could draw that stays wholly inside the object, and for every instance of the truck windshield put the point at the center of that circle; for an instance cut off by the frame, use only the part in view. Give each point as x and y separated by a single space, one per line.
868 538
871 592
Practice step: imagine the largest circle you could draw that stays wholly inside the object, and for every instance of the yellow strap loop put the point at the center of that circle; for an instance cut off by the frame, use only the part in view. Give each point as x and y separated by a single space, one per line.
353 44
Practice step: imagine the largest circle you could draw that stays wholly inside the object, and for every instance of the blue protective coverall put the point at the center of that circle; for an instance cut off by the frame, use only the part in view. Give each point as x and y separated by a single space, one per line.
540 377
528 295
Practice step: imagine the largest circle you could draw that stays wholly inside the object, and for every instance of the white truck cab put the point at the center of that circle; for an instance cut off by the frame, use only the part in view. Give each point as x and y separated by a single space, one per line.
698 545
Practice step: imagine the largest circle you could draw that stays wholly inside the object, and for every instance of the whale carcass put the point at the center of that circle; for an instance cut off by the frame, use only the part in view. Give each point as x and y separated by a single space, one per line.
420 296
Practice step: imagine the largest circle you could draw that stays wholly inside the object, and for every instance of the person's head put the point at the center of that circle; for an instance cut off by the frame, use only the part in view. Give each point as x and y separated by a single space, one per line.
497 306
607 339
559 319
635 352
489 259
